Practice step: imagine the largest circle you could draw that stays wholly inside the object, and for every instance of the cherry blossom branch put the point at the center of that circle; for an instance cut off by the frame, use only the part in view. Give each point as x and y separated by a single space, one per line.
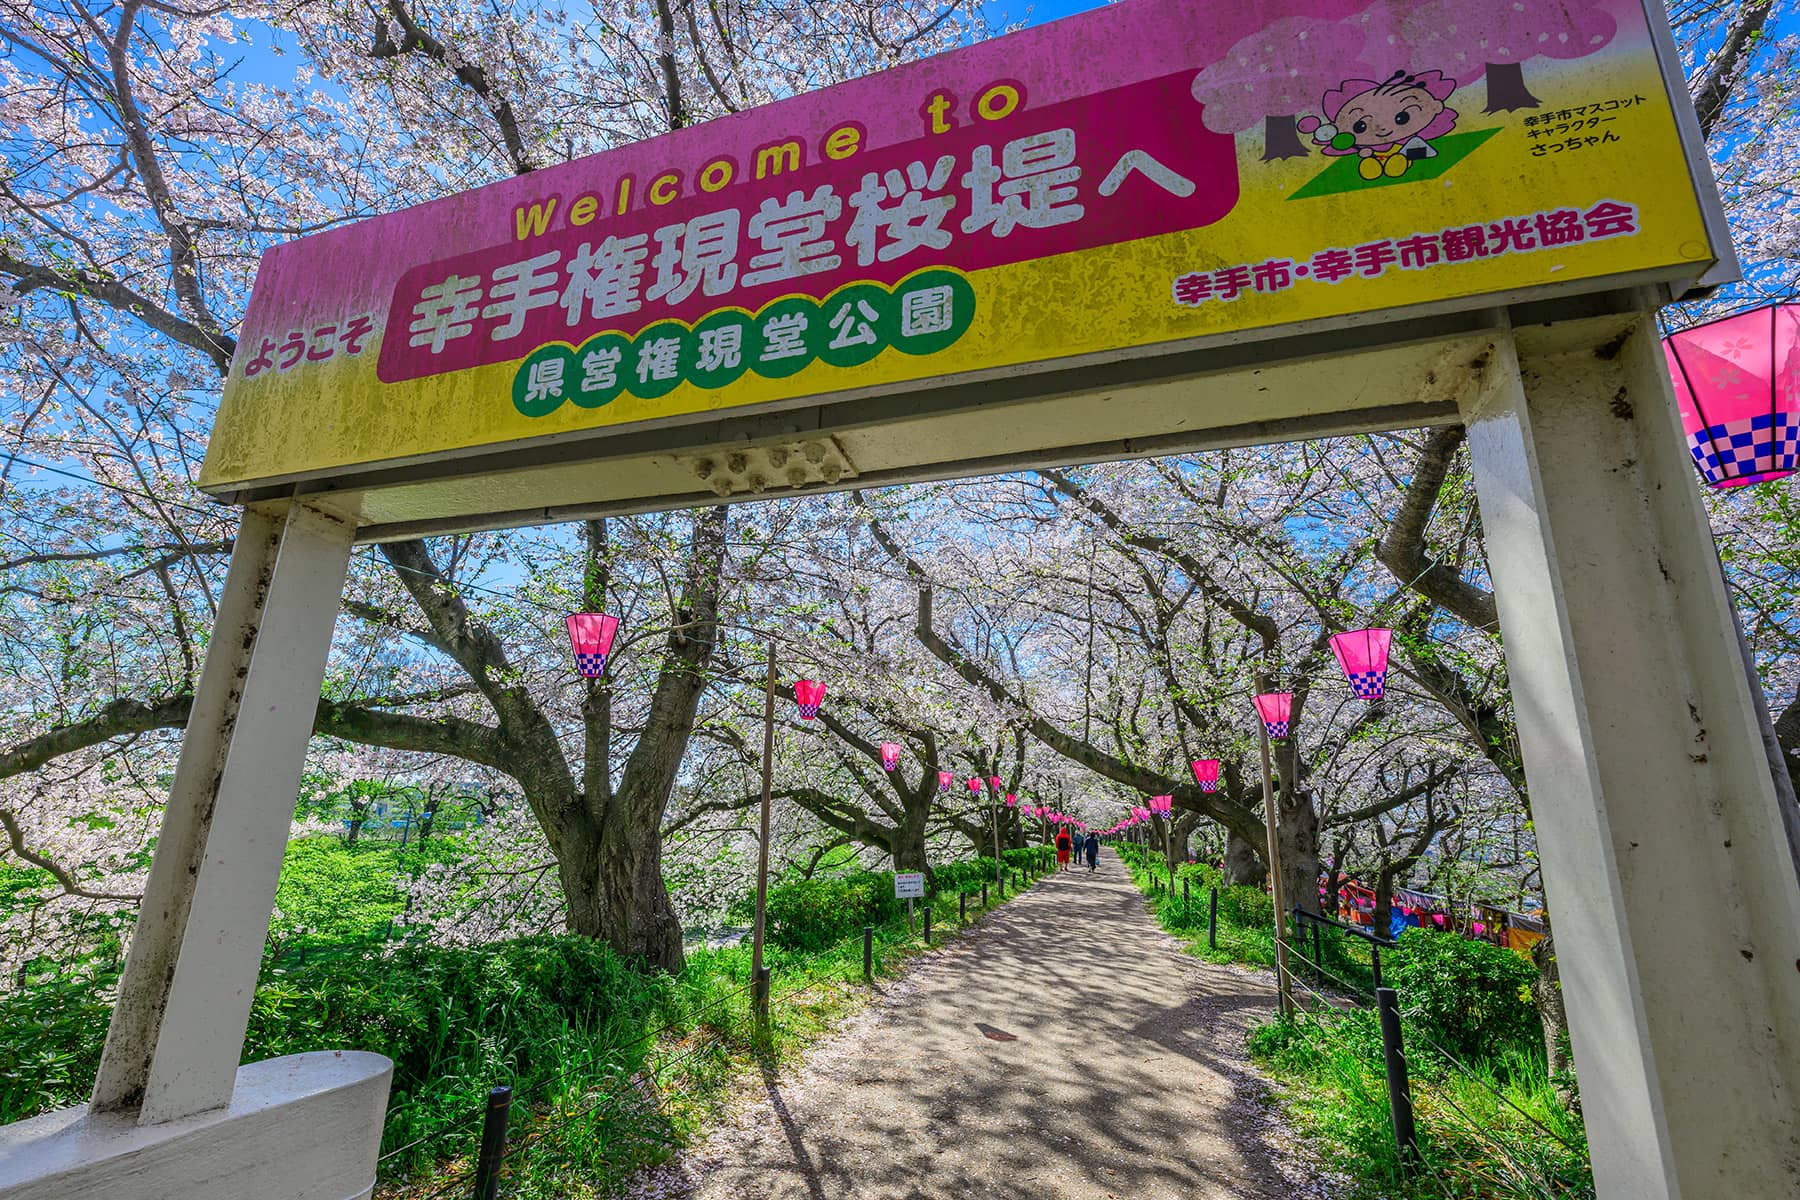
1436 776
1260 624
1402 550
29 277
416 39
170 552
1727 66
184 254
62 875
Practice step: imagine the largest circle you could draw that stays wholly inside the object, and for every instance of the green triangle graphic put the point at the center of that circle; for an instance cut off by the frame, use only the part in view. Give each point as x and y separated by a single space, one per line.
1341 175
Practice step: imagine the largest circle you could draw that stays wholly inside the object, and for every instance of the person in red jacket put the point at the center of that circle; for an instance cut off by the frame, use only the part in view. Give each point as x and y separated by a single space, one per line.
1063 847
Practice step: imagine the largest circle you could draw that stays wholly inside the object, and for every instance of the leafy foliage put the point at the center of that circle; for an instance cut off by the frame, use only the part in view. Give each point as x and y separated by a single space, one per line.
1474 997
811 914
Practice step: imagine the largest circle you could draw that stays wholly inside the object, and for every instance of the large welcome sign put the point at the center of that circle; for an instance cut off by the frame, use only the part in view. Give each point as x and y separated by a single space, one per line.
1147 174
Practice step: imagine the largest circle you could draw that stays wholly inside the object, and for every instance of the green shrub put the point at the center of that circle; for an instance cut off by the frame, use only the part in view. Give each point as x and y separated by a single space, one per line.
964 875
1020 857
457 1022
1474 997
814 914
54 1029
331 893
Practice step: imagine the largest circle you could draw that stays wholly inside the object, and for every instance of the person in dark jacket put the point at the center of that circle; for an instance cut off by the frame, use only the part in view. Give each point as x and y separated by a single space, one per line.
1092 849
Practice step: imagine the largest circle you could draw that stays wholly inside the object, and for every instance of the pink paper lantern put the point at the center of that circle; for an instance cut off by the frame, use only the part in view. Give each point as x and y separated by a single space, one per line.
808 694
975 785
591 636
1275 708
994 782
1162 804
1737 386
944 780
1206 774
1011 800
1363 653
890 755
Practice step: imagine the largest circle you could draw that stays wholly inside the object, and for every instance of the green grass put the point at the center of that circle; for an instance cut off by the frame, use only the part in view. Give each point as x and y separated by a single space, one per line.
1329 1068
333 895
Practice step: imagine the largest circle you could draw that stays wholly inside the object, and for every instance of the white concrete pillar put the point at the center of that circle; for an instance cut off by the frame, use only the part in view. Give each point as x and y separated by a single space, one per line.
177 1034
1671 883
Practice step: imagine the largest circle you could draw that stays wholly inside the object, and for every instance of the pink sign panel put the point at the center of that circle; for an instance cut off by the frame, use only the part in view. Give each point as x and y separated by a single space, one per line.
964 198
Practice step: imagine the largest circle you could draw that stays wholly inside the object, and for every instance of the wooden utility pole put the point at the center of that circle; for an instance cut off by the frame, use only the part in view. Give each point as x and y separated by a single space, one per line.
1282 986
995 805
759 978
1168 824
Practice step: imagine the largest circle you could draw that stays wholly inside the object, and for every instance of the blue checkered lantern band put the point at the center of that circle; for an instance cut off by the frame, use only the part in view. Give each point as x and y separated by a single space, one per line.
808 695
1275 709
1737 385
591 636
1363 653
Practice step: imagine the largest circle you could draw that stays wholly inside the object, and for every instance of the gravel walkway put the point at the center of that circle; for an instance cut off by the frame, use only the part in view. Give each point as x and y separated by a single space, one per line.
1064 1049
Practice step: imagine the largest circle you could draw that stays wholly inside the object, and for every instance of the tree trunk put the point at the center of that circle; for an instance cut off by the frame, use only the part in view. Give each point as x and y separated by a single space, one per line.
1184 832
1384 901
1281 139
608 842
1296 826
1506 88
1243 865
1547 991
1297 836
617 895
909 849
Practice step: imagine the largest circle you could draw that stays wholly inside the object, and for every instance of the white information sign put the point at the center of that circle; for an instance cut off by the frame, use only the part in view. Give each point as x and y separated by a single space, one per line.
909 885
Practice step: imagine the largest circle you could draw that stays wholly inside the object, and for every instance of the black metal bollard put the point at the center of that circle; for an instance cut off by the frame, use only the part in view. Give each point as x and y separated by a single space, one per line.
984 899
761 994
1001 884
962 908
928 924
1387 1002
869 953
493 1143
1212 919
1184 900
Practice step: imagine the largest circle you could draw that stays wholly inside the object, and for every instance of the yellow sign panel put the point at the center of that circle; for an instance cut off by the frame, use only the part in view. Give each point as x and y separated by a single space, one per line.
1142 175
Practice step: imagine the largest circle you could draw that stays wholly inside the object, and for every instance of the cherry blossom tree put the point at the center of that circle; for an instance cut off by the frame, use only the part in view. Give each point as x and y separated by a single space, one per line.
147 170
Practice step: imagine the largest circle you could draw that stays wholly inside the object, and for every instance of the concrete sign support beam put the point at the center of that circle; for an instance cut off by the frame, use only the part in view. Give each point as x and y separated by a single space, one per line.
1666 861
185 996
172 1111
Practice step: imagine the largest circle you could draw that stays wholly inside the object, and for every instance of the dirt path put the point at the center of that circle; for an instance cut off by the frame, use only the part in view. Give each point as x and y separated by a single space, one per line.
1065 1049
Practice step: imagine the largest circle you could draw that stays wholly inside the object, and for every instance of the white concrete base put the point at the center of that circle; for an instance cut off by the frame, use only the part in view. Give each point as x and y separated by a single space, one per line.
303 1127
